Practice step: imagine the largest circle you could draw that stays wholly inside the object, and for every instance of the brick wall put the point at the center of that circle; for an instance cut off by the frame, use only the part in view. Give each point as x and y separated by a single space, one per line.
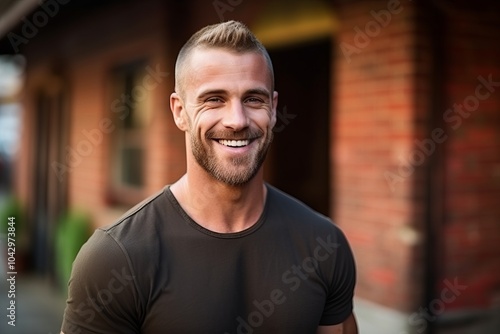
471 227
416 150
374 125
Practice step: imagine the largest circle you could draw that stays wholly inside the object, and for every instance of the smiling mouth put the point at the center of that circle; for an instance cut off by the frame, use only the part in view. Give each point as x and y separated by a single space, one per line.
234 143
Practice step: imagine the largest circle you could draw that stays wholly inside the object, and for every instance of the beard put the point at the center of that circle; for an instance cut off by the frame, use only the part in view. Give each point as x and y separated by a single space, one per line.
235 171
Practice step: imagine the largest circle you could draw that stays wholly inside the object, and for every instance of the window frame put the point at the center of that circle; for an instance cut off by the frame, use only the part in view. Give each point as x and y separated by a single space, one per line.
123 136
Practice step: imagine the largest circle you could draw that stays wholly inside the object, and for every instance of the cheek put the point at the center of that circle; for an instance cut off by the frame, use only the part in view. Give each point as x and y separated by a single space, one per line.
201 125
206 120
265 120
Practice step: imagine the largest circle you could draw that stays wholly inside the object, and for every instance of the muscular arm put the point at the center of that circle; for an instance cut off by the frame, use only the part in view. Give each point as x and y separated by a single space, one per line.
101 291
339 305
349 326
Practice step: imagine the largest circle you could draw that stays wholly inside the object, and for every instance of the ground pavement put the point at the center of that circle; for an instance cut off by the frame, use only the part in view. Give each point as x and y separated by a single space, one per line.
39 306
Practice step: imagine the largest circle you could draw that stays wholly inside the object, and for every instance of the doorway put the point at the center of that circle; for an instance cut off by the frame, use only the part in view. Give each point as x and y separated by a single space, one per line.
299 162
49 199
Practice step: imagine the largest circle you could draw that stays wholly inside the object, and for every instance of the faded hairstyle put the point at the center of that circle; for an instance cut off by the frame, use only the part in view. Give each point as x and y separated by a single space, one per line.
232 35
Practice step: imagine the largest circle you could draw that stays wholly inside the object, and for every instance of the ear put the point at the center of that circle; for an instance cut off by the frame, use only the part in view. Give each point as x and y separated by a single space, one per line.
178 111
274 108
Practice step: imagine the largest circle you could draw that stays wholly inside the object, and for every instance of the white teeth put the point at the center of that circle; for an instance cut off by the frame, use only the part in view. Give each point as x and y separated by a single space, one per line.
234 143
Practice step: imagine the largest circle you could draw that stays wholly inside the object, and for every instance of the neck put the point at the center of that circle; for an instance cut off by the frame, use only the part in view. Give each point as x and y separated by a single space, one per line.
220 207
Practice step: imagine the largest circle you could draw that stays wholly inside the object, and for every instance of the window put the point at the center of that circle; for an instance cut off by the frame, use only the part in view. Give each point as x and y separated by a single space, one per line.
130 111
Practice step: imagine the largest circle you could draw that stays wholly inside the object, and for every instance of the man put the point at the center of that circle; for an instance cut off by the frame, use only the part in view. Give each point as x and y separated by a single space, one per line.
218 251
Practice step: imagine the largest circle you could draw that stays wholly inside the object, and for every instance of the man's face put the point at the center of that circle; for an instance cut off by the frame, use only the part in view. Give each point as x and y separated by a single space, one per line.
230 111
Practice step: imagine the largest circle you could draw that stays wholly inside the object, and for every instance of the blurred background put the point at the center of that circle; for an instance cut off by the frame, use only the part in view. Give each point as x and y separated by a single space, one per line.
388 122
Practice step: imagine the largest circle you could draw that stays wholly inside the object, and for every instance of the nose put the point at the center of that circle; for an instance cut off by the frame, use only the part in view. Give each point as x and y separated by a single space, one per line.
235 116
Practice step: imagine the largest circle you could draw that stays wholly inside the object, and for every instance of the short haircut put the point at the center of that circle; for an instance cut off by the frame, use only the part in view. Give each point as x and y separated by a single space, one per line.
231 35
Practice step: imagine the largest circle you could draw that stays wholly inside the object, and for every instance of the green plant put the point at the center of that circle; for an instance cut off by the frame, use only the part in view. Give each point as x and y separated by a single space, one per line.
11 208
72 232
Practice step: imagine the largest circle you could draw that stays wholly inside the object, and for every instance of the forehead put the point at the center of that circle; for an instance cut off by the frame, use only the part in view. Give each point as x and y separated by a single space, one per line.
221 68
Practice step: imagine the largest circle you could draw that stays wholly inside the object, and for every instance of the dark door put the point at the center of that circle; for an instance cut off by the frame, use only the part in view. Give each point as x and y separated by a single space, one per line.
299 160
50 186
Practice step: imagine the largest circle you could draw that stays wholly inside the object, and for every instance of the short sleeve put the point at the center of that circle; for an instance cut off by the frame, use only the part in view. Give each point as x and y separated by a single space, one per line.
339 303
102 293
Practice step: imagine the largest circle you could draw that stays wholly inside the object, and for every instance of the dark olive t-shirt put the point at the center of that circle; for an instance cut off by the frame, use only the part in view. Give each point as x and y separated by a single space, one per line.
158 271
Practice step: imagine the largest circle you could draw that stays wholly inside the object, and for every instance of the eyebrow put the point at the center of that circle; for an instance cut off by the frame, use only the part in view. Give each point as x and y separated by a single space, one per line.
254 91
209 92
258 91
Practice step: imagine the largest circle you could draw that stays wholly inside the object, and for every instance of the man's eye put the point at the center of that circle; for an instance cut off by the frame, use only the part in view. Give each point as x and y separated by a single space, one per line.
254 100
214 99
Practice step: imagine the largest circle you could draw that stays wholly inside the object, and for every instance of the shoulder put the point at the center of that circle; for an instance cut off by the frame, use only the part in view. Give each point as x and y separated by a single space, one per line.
292 209
142 215
113 258
134 237
139 232
112 247
293 217
101 274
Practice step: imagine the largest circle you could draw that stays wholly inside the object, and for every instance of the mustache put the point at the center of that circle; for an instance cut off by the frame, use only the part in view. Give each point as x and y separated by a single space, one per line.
234 135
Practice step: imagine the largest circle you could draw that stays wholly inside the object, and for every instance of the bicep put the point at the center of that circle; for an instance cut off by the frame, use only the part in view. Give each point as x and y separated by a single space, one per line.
349 326
341 280
101 291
